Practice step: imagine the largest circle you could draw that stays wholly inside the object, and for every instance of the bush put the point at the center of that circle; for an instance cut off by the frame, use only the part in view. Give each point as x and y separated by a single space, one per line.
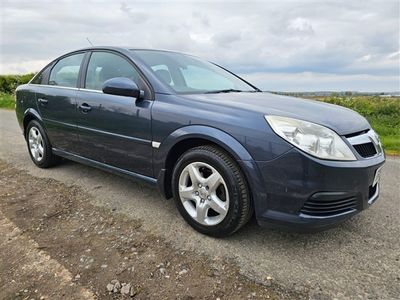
8 83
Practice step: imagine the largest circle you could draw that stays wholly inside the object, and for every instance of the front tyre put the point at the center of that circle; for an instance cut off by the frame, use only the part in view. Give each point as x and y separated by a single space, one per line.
210 191
39 146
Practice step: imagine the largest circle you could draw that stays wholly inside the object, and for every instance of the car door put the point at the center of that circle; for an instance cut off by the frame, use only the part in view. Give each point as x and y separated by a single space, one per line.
57 102
115 130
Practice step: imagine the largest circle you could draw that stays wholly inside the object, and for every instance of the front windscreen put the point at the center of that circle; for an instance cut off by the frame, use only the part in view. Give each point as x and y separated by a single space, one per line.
187 74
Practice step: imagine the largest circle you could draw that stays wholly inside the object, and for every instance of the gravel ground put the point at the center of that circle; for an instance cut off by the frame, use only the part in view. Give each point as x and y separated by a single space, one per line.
55 244
358 259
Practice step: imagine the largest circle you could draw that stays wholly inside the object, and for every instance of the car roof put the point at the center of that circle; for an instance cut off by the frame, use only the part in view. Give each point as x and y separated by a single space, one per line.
119 48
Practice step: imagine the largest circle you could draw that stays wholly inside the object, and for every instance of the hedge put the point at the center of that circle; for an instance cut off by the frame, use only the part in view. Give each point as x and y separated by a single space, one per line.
8 83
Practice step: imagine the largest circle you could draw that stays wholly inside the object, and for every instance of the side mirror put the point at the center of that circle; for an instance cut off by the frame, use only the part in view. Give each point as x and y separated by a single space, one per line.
122 86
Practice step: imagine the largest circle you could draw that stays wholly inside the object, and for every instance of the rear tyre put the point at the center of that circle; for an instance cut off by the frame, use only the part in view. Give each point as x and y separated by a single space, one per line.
39 146
211 192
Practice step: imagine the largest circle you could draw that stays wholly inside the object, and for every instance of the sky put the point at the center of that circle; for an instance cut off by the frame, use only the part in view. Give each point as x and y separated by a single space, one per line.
277 45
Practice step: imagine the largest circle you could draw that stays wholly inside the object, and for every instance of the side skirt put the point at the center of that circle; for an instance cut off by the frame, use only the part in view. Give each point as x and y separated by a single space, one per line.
125 173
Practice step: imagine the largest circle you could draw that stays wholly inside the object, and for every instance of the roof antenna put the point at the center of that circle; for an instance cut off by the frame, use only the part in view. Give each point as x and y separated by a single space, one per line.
89 41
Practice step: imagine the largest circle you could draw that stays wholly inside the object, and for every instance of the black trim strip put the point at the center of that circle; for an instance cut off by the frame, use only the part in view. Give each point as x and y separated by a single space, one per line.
131 175
59 123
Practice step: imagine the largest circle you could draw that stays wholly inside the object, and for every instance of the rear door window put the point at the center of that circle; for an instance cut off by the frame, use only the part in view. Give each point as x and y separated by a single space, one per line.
66 71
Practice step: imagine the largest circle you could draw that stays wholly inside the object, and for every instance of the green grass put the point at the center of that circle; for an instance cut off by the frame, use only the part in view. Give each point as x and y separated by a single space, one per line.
7 101
382 113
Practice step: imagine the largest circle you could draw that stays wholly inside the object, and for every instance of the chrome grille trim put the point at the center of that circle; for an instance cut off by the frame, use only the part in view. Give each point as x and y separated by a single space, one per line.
369 137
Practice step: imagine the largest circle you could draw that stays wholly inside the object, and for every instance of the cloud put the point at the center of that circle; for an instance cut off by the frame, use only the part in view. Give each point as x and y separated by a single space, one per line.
135 16
204 20
310 81
300 26
348 39
226 39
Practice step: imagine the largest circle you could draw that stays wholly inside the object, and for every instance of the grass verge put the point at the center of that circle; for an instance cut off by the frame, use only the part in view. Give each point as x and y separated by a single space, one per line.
7 101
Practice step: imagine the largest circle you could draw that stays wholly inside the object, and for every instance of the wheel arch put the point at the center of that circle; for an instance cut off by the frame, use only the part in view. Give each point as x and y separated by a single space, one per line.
189 137
29 115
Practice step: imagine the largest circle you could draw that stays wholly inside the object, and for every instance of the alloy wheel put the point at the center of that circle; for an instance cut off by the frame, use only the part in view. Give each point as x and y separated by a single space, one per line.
203 193
35 141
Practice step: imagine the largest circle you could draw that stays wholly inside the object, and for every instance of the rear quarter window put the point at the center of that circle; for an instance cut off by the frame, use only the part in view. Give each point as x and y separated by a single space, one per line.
43 76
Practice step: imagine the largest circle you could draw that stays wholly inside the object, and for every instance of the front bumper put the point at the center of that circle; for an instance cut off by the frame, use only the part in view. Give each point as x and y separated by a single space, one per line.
304 193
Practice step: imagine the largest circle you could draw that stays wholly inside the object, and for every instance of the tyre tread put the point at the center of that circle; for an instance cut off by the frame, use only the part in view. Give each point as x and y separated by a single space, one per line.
50 159
244 210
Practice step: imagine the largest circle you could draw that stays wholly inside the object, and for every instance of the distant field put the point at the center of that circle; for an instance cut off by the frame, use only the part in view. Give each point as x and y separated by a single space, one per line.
382 113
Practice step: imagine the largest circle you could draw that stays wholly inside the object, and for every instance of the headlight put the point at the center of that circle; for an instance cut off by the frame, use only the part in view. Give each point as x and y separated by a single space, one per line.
312 138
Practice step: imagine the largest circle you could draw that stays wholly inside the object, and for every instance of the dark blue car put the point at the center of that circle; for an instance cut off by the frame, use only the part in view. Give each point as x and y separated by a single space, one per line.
214 142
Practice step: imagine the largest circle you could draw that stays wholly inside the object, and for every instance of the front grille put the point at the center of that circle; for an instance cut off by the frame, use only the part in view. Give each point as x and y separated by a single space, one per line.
328 207
365 150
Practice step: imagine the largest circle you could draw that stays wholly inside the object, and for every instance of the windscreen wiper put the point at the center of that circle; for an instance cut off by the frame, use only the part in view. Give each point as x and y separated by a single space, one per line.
224 91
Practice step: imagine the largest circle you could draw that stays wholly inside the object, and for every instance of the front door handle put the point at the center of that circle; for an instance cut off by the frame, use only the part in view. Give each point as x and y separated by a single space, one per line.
85 107
43 101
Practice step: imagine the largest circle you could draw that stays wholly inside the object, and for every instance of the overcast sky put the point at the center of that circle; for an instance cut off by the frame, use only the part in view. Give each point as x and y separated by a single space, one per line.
277 45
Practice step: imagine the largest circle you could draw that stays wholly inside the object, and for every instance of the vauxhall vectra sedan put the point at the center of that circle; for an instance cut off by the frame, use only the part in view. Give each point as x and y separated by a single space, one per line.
223 149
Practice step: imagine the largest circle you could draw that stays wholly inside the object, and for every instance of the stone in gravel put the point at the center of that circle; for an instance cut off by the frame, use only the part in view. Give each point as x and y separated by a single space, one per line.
77 277
110 287
117 287
126 289
182 272
268 283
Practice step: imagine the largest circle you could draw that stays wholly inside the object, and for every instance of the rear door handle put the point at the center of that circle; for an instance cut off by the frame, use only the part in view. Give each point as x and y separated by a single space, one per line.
43 101
85 107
